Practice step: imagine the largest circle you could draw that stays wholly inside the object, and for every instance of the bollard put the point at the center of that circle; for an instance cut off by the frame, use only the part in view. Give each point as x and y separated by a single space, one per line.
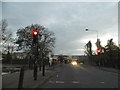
21 77
43 70
35 72
39 67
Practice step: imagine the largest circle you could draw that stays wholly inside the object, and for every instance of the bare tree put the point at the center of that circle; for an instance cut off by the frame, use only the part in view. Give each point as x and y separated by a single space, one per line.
7 42
88 51
89 48
98 44
6 34
6 37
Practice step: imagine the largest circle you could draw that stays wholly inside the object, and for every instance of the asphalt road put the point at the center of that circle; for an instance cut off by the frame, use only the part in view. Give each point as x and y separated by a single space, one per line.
82 76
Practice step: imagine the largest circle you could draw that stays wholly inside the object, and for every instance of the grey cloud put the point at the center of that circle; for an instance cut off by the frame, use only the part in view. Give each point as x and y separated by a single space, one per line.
67 20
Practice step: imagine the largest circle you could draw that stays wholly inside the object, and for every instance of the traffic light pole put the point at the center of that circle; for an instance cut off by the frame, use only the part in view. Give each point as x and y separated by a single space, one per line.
99 55
99 64
35 44
35 62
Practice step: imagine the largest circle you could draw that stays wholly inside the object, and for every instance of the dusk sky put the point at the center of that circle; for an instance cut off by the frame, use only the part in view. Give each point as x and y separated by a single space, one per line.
68 20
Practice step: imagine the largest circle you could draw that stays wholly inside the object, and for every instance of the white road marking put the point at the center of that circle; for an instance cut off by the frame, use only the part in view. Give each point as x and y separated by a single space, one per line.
75 82
102 82
59 81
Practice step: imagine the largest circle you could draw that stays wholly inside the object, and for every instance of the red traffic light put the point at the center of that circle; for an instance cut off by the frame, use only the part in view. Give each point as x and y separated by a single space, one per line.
99 51
35 36
35 33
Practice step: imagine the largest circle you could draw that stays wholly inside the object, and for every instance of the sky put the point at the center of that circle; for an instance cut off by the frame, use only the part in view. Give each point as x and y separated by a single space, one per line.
68 20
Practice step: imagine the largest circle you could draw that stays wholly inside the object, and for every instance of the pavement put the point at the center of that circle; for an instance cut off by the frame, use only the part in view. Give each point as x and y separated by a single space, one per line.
28 82
108 69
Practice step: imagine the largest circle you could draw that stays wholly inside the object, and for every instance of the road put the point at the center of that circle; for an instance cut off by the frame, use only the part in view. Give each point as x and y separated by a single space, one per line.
82 76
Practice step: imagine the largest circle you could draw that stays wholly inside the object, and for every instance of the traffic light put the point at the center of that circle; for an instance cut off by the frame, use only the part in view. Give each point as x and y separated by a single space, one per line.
99 51
35 36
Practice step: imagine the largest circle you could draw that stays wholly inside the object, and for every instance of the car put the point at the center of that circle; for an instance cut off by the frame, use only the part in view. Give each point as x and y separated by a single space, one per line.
81 62
74 63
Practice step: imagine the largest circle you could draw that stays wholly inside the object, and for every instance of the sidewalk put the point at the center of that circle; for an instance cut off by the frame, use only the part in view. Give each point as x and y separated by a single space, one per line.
110 69
11 80
106 69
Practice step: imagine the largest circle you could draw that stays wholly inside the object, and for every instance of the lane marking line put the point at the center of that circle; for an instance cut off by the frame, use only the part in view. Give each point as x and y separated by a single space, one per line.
102 82
59 81
75 82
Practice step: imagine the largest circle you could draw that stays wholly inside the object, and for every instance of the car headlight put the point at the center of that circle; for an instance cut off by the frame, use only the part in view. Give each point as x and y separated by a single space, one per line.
74 63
